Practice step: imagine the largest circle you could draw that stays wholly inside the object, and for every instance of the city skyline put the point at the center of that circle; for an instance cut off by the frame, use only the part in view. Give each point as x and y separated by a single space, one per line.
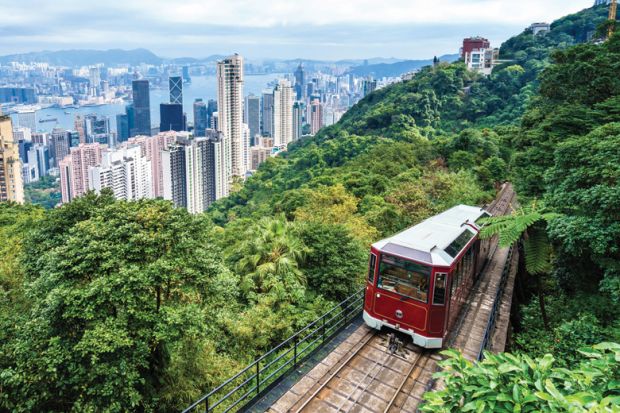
275 29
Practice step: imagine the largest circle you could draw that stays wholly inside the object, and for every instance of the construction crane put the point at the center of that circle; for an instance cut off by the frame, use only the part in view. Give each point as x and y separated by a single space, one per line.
613 5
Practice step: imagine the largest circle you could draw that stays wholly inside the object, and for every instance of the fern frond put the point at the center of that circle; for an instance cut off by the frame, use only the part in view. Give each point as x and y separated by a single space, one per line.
550 216
537 252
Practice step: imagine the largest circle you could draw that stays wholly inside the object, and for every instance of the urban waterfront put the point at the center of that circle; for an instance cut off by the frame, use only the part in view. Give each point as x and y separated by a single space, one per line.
203 87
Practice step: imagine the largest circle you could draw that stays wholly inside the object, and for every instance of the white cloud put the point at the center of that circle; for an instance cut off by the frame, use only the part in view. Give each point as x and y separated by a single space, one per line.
276 12
271 28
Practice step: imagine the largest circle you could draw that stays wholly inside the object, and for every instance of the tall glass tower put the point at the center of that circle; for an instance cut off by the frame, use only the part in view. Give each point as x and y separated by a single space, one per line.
142 107
176 89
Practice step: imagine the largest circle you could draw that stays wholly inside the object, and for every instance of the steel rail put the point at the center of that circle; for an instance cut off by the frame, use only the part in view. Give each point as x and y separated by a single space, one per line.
413 366
338 370
377 369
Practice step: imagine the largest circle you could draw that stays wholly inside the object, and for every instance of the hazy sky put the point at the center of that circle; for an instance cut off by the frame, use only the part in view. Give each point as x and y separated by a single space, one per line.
329 29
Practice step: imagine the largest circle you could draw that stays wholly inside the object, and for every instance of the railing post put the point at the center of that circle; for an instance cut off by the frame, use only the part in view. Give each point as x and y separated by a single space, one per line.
295 353
207 405
257 377
323 329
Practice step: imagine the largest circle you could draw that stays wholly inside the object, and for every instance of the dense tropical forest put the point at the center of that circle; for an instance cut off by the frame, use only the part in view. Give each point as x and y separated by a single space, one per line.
138 306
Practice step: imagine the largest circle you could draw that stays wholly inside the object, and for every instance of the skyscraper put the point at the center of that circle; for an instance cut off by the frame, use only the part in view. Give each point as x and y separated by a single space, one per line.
369 85
251 116
194 172
42 156
24 95
246 146
316 116
126 171
300 82
176 89
152 148
216 185
201 119
283 113
78 124
74 178
267 114
171 117
59 144
97 129
122 127
74 139
31 167
94 79
131 119
211 110
174 170
141 106
186 77
298 110
11 180
230 112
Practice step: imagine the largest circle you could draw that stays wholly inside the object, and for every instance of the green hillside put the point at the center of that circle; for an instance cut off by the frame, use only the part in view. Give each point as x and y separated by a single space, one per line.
138 306
412 125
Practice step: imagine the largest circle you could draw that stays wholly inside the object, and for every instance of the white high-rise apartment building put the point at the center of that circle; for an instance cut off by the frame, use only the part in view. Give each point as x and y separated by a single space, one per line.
193 172
246 146
230 113
152 146
126 171
283 99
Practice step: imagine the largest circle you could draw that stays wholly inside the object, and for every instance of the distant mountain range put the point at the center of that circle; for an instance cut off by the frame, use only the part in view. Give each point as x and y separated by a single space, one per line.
112 57
377 66
86 57
380 70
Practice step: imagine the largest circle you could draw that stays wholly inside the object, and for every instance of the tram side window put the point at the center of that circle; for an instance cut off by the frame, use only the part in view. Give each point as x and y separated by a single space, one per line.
439 296
371 268
404 277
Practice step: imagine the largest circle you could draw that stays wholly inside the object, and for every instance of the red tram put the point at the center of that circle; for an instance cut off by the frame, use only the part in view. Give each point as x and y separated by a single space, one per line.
418 279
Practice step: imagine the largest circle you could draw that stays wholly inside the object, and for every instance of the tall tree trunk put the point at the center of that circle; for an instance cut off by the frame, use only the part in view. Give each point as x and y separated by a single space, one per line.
158 298
541 302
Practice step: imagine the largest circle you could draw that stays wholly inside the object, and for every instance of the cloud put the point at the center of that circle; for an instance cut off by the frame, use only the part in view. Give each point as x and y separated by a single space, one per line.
270 28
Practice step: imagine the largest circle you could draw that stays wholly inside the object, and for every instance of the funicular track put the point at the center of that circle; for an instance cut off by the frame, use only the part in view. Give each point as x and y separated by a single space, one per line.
371 379
377 376
483 287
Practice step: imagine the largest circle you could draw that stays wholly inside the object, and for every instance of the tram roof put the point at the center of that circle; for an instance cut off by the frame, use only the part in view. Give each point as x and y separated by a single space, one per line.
437 240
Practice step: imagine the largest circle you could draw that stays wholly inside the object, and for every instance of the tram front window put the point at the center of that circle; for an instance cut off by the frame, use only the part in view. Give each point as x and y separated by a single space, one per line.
404 277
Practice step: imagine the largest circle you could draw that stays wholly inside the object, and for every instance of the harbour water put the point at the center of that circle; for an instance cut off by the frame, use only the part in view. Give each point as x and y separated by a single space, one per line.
203 87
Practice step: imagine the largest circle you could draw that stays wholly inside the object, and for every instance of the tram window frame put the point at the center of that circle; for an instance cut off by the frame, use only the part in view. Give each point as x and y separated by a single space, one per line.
413 269
445 288
372 265
459 243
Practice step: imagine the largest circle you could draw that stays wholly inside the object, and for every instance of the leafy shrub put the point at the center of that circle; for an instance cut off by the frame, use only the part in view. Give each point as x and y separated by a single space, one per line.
517 383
